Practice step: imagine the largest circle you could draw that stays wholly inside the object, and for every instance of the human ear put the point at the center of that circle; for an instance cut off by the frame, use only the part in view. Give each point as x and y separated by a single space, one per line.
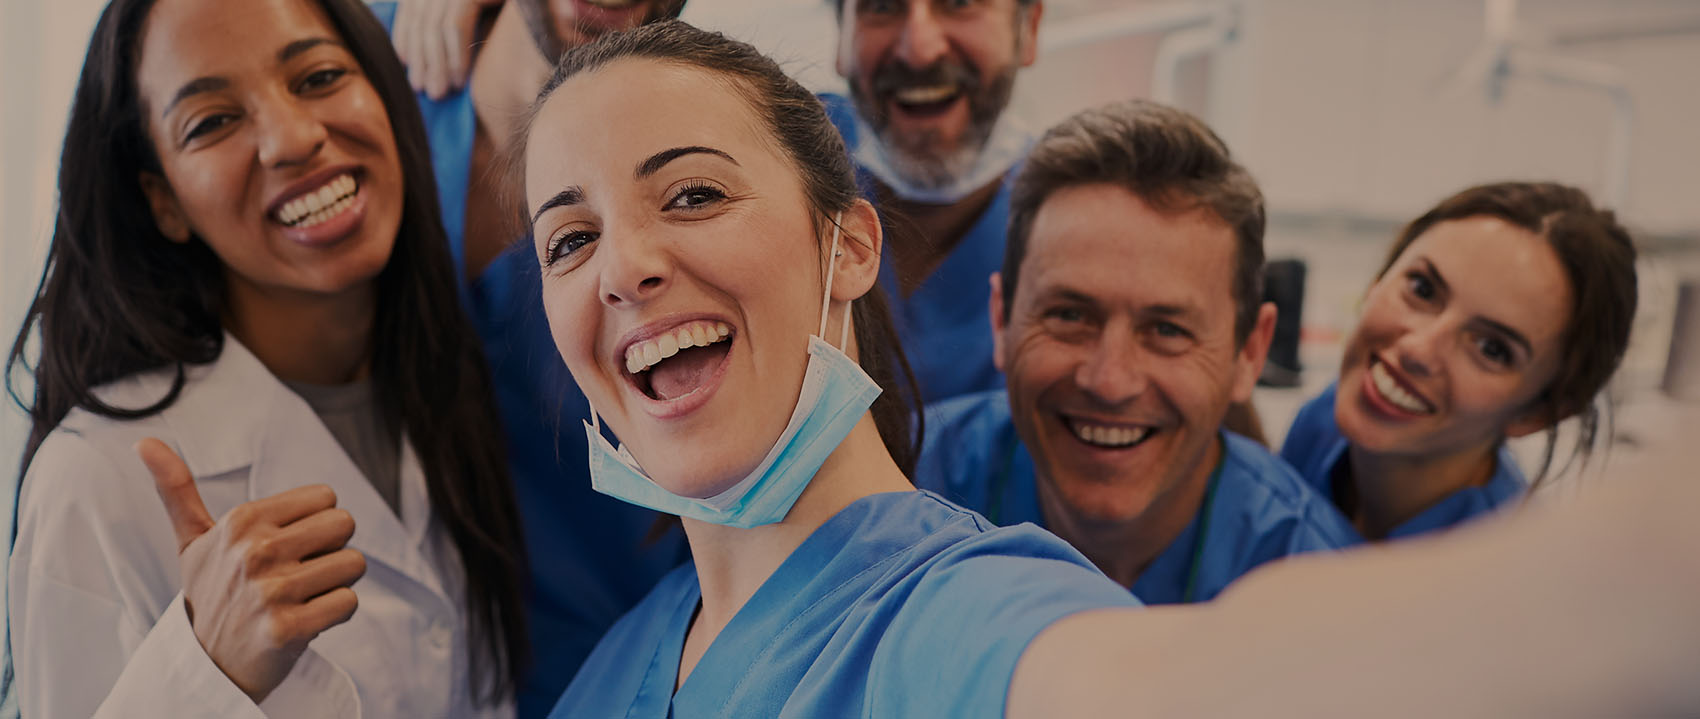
167 212
1249 362
1028 29
860 242
999 323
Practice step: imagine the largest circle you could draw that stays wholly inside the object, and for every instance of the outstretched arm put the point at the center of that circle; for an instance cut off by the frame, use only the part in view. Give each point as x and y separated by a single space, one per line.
1587 608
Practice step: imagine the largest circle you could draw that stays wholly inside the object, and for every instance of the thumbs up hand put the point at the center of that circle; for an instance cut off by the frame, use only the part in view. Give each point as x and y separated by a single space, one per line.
264 580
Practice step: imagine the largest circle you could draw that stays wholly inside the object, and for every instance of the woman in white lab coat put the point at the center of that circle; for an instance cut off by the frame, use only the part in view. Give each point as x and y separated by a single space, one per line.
249 297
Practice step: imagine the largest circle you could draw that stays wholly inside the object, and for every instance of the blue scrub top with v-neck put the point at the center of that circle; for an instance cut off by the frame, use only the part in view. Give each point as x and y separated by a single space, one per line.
1315 447
901 605
1256 509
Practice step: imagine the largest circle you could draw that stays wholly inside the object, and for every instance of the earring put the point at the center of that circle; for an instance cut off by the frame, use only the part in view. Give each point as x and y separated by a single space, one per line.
838 253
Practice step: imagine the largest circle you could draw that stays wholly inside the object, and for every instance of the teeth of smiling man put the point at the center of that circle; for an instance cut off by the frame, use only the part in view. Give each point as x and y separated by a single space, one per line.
319 205
647 354
1105 436
1390 389
924 95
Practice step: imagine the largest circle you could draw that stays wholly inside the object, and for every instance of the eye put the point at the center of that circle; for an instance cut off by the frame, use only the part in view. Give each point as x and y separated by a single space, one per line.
881 7
1496 351
1169 330
1420 286
208 124
319 79
566 244
695 197
1068 315
957 4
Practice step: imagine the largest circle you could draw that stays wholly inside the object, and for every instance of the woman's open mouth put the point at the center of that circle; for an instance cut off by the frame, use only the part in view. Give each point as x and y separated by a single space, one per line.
680 361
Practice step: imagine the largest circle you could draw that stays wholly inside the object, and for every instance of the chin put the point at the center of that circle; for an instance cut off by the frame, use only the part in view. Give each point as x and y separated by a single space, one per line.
1104 501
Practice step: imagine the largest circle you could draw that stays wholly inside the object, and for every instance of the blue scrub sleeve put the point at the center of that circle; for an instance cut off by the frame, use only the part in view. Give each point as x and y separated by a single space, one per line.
952 649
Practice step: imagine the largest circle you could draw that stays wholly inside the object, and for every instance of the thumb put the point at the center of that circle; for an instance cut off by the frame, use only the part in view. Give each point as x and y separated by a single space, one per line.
189 516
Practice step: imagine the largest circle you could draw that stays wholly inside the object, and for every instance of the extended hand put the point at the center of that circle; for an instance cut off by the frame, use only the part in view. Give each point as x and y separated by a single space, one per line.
263 581
434 38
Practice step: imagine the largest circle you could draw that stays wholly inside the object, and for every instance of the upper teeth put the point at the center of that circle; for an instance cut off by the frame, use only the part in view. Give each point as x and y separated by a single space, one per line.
923 95
1107 436
1390 389
319 205
648 353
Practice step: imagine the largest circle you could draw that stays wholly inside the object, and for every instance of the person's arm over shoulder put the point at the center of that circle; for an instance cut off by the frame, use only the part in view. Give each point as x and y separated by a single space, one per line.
96 610
1582 609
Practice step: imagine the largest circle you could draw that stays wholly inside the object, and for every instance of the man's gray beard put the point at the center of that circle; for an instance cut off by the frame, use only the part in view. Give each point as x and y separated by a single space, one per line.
931 170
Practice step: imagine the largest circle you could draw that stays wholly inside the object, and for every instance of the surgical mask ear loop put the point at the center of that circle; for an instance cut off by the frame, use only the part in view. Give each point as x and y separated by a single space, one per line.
826 295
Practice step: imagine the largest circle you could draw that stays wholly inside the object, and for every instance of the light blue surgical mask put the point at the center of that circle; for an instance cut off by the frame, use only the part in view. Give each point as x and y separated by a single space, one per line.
835 395
1007 144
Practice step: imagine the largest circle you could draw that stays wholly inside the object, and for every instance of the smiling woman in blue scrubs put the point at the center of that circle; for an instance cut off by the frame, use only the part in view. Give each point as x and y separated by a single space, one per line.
706 274
1498 313
706 271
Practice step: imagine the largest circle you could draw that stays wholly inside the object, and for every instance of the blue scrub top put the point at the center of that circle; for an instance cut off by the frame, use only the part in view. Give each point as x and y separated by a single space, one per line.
589 561
1316 448
945 325
901 605
1256 509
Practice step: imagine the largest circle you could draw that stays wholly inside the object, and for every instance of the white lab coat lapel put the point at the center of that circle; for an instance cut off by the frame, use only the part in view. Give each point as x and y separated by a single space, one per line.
254 420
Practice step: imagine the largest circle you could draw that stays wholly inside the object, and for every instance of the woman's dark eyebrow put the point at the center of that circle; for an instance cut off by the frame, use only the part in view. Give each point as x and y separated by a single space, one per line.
567 197
214 84
660 159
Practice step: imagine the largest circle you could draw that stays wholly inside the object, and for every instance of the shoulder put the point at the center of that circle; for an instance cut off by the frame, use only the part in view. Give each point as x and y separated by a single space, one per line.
615 670
90 451
1261 471
962 438
957 552
1312 435
973 417
1274 493
984 596
1315 418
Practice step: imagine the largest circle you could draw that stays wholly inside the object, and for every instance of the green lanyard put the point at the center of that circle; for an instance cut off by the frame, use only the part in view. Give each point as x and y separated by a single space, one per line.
1203 529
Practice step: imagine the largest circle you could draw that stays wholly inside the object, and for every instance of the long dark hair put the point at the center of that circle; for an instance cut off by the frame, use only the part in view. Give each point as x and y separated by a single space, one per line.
1599 261
117 298
798 121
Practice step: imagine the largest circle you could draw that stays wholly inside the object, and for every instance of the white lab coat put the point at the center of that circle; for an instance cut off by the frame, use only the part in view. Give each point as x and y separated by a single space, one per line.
96 604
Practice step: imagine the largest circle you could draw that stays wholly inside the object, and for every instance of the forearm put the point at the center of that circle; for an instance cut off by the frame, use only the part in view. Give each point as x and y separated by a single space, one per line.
1583 609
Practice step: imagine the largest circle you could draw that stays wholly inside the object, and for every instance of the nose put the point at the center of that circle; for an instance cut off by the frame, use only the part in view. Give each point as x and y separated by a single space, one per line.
634 269
289 134
1417 351
1112 373
923 40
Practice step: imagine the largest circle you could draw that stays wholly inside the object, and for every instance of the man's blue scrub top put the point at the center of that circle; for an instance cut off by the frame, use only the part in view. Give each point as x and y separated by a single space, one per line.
1257 509
901 605
945 325
589 562
1316 448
